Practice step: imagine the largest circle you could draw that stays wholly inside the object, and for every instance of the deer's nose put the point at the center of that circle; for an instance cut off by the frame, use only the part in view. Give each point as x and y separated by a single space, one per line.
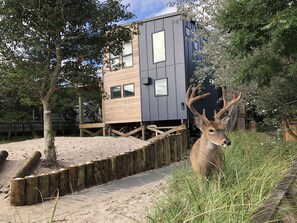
226 142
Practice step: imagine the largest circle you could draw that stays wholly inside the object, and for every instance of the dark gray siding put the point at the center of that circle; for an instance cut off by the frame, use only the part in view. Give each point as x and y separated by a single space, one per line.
164 107
209 103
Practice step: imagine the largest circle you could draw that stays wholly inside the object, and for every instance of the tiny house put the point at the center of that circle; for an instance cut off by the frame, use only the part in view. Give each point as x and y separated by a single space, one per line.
147 82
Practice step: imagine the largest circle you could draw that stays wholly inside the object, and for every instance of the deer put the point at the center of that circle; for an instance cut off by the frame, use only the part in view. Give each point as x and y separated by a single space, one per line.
206 155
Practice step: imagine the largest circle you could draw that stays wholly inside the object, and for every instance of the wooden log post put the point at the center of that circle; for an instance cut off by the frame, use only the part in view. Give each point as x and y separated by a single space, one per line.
54 180
118 166
179 147
90 178
3 156
167 151
131 164
161 152
97 172
43 187
31 189
138 160
29 165
184 133
17 191
111 168
106 166
147 164
64 179
173 148
72 170
125 164
81 176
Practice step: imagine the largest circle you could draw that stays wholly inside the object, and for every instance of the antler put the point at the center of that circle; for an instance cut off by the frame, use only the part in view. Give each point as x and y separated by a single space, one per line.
227 104
191 98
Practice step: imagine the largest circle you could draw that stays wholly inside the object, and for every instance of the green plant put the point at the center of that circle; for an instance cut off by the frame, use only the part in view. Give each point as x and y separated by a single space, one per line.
254 163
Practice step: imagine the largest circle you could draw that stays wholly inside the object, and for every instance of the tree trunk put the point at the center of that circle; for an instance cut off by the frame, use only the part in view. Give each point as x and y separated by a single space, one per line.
50 149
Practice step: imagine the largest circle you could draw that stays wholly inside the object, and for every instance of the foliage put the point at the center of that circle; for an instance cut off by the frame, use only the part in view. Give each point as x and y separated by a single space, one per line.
254 163
250 43
46 45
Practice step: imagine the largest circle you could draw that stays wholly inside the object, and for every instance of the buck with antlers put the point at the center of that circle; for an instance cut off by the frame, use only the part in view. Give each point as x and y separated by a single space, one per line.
207 155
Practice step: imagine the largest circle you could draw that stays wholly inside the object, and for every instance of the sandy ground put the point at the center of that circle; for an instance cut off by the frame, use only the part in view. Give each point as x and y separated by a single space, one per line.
125 200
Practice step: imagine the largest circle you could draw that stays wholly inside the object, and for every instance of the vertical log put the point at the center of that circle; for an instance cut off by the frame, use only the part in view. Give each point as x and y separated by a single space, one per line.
118 166
97 172
173 148
161 154
125 164
111 168
43 187
131 163
89 174
105 170
54 183
138 159
81 176
154 160
64 179
17 192
179 147
31 189
167 151
184 142
72 178
147 150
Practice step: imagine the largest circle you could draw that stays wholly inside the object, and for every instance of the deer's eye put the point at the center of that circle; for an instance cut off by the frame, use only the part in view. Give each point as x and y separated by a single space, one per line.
211 130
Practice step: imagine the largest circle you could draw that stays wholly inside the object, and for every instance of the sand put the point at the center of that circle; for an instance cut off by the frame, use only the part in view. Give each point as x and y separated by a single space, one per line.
125 200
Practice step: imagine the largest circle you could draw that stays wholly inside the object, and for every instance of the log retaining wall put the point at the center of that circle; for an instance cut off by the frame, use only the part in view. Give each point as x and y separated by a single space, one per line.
35 189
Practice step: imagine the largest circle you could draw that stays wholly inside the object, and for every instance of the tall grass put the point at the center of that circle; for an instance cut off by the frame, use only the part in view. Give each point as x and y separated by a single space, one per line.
254 163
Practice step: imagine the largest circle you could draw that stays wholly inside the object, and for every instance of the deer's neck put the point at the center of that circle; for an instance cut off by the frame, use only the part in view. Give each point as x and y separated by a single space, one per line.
208 146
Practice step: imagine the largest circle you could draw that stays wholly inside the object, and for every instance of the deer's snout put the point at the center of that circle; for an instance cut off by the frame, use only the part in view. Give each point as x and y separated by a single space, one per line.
226 142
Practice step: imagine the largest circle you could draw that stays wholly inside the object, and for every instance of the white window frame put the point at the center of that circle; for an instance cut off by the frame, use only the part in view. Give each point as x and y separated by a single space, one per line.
159 49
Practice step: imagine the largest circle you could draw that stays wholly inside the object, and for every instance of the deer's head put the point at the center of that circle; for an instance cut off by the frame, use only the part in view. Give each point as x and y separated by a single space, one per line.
213 130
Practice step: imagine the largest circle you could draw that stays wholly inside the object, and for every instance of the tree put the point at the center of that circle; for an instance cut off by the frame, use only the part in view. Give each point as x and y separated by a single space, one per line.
251 43
47 44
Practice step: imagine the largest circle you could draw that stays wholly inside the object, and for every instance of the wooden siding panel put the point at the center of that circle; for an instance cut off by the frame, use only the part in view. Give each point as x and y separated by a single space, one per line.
125 109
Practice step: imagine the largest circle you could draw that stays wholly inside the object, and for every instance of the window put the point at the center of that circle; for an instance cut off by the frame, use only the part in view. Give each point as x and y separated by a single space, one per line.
188 31
195 45
127 55
115 92
114 62
123 60
161 87
159 47
128 90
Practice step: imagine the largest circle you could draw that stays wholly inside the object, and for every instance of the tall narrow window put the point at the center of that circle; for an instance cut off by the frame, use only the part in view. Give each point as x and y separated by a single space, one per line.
114 62
161 88
129 90
115 92
159 53
127 55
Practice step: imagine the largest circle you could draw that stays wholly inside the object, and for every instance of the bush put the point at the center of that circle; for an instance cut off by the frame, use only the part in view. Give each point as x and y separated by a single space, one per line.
254 163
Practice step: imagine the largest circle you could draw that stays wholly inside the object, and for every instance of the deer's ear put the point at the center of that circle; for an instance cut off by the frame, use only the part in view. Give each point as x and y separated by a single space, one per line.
225 120
199 122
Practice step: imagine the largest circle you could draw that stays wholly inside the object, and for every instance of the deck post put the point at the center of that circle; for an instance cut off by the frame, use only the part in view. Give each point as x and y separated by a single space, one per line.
81 115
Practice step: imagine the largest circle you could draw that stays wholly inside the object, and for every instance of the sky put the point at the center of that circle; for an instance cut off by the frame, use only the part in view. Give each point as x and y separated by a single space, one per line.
148 8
